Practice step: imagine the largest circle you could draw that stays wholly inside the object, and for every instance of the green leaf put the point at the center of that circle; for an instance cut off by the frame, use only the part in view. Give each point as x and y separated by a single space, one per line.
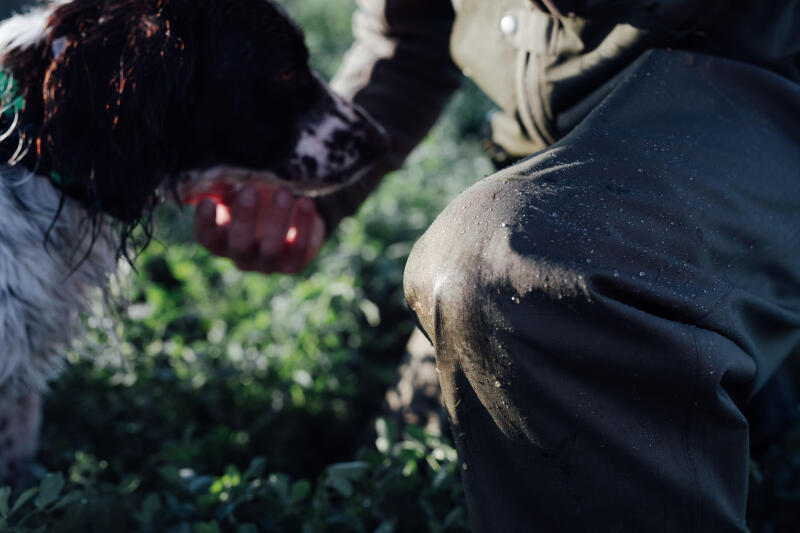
280 484
341 474
341 485
455 517
208 527
371 312
256 468
387 429
200 484
300 490
23 498
150 506
67 499
416 433
349 469
247 528
387 526
5 492
49 489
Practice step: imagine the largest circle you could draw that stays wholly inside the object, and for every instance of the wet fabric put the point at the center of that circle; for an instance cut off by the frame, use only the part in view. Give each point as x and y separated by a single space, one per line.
601 311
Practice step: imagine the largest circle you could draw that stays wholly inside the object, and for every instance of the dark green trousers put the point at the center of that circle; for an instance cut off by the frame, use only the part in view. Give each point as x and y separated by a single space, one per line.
602 310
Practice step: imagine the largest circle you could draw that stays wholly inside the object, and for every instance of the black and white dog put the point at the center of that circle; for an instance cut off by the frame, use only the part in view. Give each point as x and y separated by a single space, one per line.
104 104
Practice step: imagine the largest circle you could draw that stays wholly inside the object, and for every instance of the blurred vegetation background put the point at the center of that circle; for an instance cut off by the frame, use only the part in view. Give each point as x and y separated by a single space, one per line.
224 401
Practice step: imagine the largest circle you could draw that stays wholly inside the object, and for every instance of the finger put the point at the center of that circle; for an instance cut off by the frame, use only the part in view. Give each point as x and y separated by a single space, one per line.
252 261
298 236
273 236
243 226
206 230
266 196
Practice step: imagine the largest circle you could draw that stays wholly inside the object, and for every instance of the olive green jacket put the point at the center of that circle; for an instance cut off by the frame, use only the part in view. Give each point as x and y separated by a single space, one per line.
546 63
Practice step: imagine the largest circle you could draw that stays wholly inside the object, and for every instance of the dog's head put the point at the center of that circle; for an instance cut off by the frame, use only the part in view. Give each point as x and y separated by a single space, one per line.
121 95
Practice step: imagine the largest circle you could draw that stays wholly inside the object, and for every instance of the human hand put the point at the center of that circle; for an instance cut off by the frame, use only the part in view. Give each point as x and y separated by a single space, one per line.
261 227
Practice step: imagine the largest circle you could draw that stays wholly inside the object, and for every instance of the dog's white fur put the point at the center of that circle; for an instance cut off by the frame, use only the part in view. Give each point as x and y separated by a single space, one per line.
44 286
41 296
24 30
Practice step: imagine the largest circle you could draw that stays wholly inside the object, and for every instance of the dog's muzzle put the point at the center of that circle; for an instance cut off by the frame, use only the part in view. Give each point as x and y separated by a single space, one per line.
337 145
336 140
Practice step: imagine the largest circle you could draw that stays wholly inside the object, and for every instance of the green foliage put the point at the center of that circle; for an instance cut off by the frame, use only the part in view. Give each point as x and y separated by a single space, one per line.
410 485
225 401
326 25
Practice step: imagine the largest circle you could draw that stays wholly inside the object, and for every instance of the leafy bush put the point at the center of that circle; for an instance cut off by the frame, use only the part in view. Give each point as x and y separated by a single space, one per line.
404 485
219 400
218 367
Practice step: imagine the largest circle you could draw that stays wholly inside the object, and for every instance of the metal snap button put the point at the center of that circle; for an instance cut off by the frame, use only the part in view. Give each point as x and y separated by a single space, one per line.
508 25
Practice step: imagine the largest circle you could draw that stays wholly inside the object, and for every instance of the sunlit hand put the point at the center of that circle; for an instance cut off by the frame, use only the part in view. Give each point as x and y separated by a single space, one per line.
261 227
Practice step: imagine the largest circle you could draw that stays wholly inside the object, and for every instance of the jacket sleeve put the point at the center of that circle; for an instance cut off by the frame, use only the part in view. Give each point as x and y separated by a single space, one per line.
399 70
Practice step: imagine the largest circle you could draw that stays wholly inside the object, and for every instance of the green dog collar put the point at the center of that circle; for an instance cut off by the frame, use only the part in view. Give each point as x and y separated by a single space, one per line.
12 103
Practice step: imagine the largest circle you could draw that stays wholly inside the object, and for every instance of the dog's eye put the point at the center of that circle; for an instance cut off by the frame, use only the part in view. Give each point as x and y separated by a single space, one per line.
287 75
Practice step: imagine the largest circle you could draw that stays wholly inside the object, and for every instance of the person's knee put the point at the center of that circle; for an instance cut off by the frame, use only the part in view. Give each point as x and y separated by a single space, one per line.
492 243
442 275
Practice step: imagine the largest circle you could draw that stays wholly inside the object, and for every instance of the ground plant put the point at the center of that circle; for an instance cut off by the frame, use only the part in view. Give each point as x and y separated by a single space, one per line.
219 401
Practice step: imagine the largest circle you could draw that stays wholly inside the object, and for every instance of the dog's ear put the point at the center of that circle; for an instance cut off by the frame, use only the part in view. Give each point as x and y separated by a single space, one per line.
113 95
